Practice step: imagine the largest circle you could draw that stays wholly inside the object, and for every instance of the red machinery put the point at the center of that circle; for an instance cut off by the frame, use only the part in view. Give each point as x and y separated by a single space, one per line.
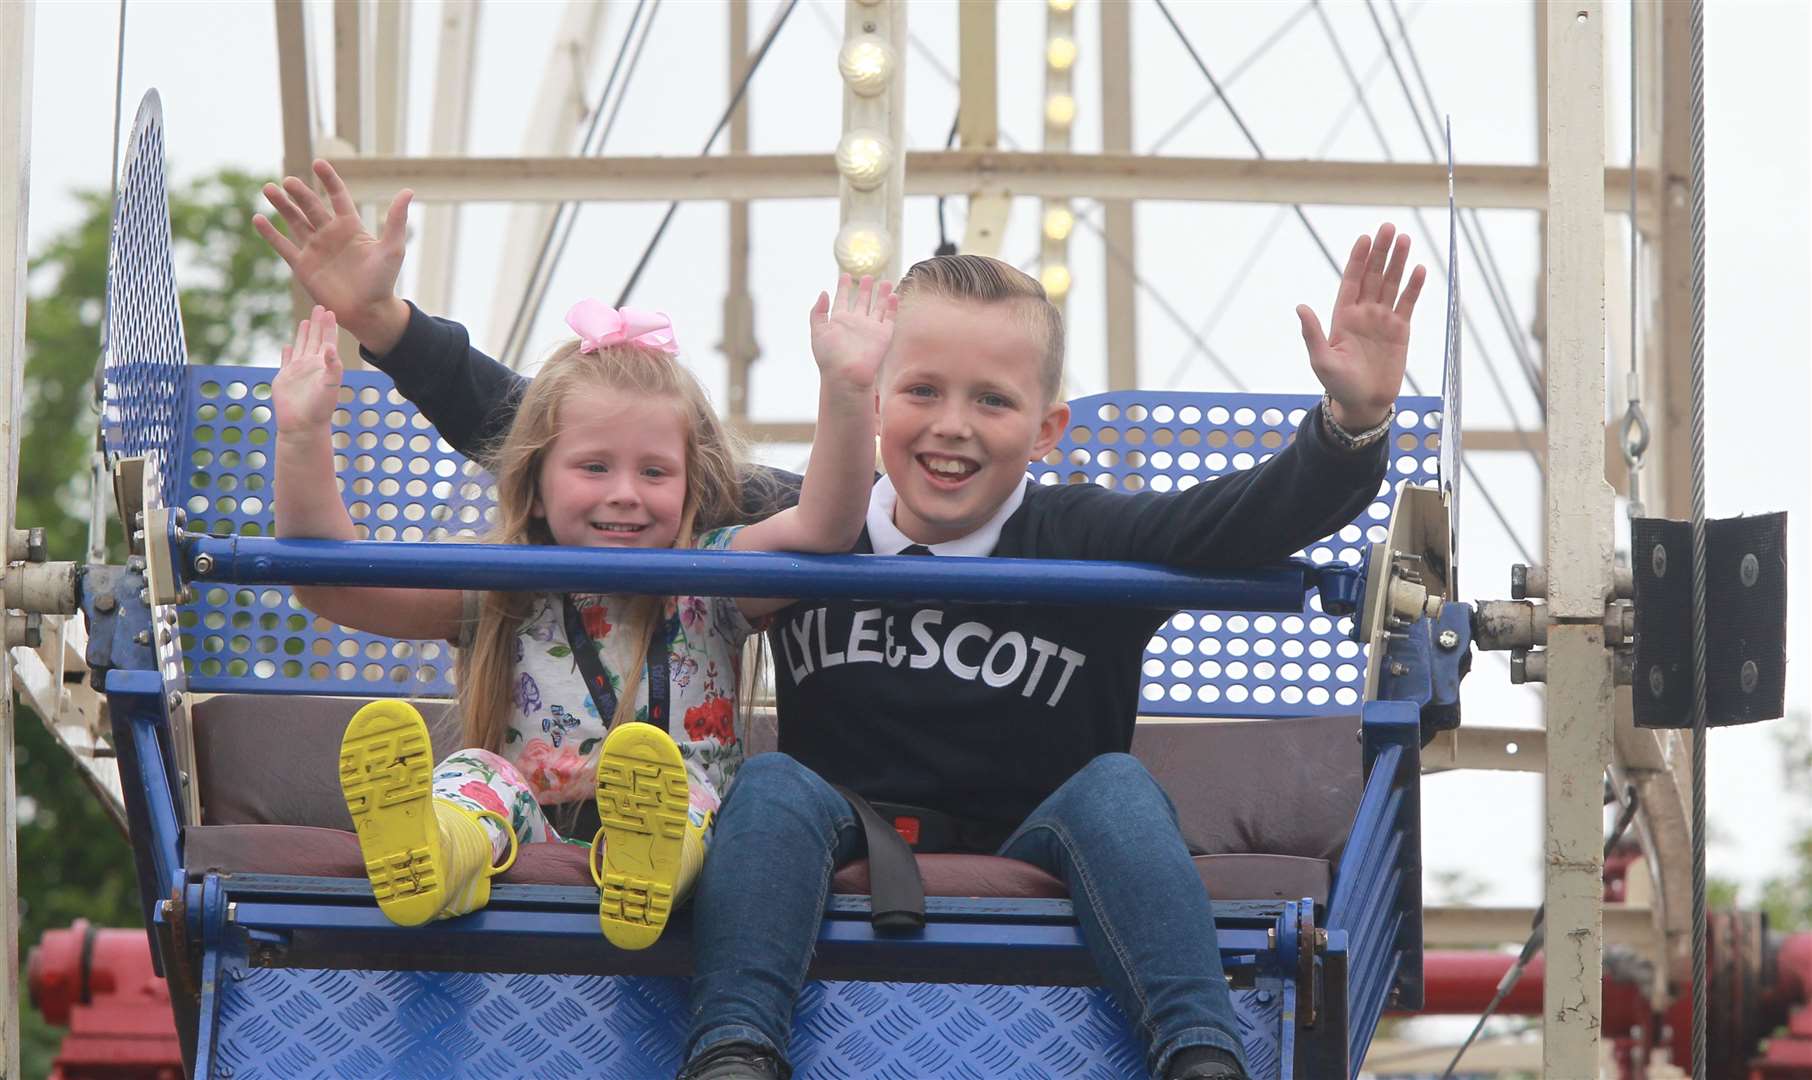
100 985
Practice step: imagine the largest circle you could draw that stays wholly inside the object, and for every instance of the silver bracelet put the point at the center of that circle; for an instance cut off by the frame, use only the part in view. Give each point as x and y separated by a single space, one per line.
1349 440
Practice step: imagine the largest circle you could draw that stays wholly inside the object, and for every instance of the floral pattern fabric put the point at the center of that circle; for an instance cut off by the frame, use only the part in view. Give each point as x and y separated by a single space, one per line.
554 728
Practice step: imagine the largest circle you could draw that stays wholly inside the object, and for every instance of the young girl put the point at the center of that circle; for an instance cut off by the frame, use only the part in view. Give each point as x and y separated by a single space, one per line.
624 699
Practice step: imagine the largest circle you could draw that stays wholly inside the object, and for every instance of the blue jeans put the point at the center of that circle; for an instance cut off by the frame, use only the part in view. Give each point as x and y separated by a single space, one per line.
1109 833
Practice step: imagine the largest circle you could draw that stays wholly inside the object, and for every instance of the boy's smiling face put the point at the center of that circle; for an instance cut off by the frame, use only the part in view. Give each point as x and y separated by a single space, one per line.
962 410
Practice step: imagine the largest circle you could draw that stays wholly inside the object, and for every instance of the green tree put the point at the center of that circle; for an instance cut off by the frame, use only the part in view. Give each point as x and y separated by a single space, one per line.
235 310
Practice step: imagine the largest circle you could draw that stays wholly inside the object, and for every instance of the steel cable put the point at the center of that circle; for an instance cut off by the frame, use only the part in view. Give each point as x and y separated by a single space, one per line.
1696 120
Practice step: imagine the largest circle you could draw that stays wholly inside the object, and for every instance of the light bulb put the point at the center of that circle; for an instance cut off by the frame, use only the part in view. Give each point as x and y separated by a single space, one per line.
861 249
1062 5
1060 53
1056 280
866 66
1060 110
864 158
1058 222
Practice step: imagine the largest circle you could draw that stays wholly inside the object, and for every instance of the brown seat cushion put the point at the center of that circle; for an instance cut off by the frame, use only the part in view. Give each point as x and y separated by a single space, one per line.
1269 802
274 759
315 852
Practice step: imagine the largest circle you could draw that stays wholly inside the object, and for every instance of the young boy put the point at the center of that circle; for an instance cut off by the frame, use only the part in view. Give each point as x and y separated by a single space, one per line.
1013 722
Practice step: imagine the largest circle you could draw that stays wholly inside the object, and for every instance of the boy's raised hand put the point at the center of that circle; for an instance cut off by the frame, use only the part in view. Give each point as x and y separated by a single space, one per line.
850 334
1361 361
342 266
307 387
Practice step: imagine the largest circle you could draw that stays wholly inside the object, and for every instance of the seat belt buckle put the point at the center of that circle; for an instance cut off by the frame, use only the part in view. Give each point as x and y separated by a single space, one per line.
908 828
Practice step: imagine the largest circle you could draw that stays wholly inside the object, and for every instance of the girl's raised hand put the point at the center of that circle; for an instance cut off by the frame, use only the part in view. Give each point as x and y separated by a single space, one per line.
1361 362
307 387
850 334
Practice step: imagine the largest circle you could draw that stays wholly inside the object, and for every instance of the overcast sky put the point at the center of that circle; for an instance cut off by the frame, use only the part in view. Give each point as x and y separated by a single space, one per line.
215 66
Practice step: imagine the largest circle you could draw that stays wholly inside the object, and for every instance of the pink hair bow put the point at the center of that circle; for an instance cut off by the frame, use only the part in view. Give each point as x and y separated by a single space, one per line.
599 324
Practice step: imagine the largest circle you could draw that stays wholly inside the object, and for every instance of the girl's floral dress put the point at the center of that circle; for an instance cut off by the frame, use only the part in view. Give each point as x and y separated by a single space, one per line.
550 746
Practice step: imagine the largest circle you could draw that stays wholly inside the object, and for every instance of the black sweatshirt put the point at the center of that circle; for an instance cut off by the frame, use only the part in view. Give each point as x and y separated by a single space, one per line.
980 711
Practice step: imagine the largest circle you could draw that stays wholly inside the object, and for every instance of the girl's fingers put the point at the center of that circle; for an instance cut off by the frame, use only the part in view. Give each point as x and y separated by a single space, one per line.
1393 271
842 300
283 360
865 292
280 202
308 202
821 309
1406 304
279 243
396 220
1374 266
335 188
1354 273
883 298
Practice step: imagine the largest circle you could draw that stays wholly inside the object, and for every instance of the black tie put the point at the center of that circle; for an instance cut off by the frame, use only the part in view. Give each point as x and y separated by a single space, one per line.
915 549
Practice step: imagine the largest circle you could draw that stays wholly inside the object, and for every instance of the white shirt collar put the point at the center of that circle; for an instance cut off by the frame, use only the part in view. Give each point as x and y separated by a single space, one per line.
886 538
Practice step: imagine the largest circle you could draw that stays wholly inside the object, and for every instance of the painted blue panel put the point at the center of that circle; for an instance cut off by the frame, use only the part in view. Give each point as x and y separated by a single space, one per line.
281 1023
1223 663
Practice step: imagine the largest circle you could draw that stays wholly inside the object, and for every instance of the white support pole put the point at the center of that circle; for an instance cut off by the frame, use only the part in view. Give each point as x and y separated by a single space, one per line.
1056 222
1117 229
438 250
871 160
554 127
293 82
349 73
1579 545
15 202
390 78
978 118
739 344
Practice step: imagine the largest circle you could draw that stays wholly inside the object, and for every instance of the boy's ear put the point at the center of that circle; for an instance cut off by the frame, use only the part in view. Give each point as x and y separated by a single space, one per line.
1056 421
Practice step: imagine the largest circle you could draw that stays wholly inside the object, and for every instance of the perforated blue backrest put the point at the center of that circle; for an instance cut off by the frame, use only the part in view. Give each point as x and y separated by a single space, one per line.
1220 663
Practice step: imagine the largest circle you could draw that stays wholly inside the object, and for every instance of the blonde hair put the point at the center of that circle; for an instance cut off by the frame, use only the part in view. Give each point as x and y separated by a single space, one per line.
713 465
981 280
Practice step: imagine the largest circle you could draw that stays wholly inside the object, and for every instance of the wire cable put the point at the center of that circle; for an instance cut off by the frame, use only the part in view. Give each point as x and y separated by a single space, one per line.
742 88
1283 29
1410 378
1538 935
546 258
1696 119
1478 340
1239 122
1475 242
97 471
1635 421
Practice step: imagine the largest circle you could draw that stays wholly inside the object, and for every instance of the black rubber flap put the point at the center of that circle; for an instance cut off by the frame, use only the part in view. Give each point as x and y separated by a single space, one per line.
1746 620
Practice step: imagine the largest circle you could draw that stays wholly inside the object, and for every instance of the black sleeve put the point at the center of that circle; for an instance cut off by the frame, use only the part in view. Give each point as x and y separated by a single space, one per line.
468 397
1264 514
471 400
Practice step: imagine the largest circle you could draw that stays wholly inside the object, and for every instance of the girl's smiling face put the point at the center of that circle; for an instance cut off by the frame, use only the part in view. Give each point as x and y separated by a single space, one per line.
615 476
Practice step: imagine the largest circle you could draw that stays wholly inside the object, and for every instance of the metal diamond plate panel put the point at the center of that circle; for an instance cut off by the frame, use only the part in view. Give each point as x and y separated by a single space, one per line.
400 482
280 1023
1219 663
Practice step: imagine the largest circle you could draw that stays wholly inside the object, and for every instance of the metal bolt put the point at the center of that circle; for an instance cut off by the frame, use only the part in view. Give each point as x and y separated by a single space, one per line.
175 699
144 596
1399 668
105 603
1657 680
1657 558
1519 668
1751 676
1519 581
163 635
1751 570
135 563
167 907
138 519
170 616
143 637
188 594
1448 639
204 564
138 537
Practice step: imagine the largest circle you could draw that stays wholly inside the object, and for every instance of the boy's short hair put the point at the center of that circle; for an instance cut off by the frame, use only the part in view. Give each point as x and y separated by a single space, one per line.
980 279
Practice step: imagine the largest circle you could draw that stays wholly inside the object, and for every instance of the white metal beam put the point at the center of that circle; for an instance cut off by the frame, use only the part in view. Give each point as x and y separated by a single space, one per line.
739 344
437 251
956 172
293 83
15 202
978 118
390 78
554 127
1579 542
1117 224
871 153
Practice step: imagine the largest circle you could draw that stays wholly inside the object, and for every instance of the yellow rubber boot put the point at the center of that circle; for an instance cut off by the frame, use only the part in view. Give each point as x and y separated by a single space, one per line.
425 858
644 801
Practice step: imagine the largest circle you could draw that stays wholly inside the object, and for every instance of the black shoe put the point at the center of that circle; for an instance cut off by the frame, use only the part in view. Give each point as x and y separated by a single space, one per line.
1203 1063
736 1061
